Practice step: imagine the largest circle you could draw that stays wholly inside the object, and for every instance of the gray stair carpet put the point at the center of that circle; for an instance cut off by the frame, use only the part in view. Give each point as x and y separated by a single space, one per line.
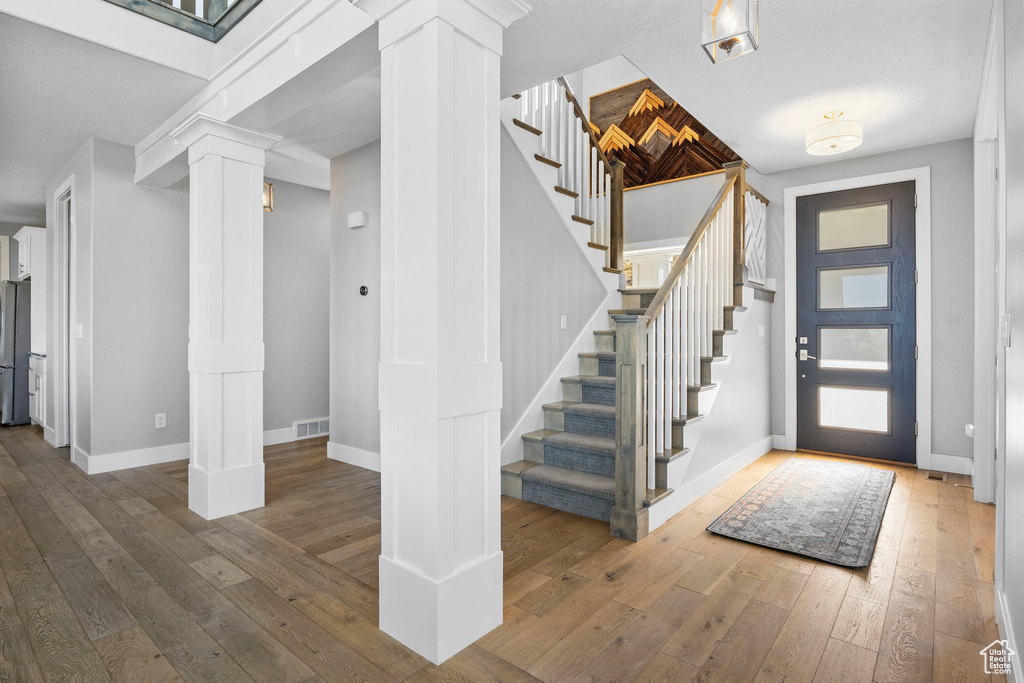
582 452
599 390
591 419
581 493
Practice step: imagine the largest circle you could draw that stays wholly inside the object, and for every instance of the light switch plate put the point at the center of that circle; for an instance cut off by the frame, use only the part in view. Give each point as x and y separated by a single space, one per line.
564 322
78 331
161 420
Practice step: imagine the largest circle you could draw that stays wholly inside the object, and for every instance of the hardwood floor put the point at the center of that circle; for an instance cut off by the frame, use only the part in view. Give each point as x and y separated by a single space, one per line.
112 577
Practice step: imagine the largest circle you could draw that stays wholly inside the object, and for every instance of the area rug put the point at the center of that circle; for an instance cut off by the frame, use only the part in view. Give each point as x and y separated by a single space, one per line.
829 511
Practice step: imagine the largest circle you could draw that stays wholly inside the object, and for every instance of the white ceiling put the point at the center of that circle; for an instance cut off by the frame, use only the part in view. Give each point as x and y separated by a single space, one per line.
57 91
909 70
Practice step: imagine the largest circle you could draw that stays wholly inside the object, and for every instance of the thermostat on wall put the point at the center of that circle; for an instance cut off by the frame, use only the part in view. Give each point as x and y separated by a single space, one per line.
358 219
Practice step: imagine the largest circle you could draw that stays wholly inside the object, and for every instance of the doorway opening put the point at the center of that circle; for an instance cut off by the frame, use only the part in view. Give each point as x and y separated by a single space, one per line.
63 315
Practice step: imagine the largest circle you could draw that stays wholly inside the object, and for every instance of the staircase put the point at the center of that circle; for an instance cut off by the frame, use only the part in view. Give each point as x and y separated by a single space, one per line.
629 422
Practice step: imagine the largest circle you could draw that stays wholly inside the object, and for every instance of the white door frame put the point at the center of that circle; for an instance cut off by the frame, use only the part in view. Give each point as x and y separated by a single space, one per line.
62 265
922 178
989 252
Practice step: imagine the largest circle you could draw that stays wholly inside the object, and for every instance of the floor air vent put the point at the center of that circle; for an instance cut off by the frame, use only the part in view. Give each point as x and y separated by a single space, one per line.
309 428
937 476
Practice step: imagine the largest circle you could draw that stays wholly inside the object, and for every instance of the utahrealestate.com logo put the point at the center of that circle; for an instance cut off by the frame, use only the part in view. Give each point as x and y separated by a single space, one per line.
997 658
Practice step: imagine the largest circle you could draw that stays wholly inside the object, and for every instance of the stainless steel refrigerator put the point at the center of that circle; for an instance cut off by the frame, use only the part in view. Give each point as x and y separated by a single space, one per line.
15 341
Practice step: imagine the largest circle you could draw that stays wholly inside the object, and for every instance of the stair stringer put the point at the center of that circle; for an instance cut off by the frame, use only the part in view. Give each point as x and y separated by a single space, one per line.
687 486
528 145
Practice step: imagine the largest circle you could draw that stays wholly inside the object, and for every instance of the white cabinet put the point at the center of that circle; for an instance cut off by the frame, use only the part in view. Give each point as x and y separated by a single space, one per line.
32 267
37 388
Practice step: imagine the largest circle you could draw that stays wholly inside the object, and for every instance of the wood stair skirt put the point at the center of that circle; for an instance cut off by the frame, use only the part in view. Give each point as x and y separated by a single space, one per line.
570 464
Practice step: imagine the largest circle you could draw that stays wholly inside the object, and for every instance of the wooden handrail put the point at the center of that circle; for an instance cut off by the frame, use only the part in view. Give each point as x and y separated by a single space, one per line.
764 200
691 246
584 121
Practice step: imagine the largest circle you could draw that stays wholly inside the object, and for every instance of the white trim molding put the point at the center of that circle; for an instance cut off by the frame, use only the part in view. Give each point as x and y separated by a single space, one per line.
1006 633
353 456
111 462
272 437
954 464
922 177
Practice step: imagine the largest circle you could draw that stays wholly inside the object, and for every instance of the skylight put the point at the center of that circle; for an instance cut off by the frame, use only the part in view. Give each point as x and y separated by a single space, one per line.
209 19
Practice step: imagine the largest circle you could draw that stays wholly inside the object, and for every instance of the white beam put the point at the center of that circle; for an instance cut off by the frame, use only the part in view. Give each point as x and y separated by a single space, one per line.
440 372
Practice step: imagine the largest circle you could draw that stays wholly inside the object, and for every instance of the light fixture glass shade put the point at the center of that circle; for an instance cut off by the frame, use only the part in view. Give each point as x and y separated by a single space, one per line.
268 197
728 28
834 137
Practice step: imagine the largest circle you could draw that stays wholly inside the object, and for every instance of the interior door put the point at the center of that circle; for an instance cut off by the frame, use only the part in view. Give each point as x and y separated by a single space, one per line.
856 322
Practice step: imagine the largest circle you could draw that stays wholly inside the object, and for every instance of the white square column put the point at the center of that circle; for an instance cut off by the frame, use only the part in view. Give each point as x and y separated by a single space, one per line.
225 351
440 371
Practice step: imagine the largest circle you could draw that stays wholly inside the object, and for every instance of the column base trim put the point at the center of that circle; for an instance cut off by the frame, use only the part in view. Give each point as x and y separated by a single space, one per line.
212 495
437 619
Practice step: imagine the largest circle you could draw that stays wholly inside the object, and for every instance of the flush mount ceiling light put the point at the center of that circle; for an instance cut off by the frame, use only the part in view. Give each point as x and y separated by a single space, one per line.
834 137
268 197
728 28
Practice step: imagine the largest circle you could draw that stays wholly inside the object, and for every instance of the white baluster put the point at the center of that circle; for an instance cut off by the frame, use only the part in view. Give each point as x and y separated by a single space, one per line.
652 416
677 350
659 377
691 290
668 360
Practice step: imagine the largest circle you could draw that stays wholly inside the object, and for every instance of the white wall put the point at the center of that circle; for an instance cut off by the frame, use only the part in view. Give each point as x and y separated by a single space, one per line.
296 306
952 194
355 319
667 214
607 75
1010 504
543 276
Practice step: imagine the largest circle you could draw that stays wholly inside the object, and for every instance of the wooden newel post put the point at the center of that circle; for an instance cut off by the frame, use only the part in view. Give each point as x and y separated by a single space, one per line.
617 236
629 514
739 169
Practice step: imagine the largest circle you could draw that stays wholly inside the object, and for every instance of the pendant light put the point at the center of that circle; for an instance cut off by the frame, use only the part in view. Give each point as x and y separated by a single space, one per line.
728 28
835 137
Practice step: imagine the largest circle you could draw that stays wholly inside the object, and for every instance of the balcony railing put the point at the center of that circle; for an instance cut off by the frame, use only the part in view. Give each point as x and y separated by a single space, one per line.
209 19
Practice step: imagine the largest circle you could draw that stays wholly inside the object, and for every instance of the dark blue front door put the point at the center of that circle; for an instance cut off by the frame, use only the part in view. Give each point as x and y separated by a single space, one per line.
856 322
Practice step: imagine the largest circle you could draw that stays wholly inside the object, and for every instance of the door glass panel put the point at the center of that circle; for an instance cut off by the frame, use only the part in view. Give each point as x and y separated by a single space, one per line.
861 409
859 287
854 348
855 228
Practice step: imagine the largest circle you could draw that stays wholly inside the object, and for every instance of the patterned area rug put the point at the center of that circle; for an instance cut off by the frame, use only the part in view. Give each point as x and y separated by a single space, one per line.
830 511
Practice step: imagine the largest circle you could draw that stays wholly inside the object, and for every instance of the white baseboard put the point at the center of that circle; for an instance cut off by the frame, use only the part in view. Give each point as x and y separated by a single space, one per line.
272 437
110 462
532 418
1006 633
700 485
779 442
50 436
353 456
954 464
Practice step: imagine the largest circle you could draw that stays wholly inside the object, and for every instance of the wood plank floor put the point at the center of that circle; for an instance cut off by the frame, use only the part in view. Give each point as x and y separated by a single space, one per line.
111 577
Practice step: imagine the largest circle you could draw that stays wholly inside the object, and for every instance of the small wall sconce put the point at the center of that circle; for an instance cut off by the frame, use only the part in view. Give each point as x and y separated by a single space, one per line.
268 197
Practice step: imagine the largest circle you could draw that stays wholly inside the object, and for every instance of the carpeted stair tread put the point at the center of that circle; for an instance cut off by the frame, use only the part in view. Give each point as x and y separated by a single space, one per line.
540 434
571 480
558 405
517 468
591 379
600 355
590 409
582 441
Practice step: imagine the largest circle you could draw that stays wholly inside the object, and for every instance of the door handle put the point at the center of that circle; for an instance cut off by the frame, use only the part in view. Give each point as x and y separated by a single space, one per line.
803 355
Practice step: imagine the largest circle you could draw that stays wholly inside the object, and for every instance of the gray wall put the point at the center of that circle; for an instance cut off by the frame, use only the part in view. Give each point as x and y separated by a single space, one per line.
296 305
543 276
140 307
667 212
1011 509
952 193
355 319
